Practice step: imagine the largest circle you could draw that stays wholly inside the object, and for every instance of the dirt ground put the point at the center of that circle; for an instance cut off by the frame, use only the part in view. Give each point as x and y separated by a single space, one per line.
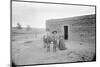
28 49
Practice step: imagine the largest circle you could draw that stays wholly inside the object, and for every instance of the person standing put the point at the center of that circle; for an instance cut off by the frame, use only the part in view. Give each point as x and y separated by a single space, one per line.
47 41
55 40
62 43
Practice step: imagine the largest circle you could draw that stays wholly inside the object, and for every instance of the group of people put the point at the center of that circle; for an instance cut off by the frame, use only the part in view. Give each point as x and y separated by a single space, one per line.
54 39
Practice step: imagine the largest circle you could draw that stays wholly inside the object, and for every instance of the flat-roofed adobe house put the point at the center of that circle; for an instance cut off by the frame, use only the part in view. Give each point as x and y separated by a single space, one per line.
79 28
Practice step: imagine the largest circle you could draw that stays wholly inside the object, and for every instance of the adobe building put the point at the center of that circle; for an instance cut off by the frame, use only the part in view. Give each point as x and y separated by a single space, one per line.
79 28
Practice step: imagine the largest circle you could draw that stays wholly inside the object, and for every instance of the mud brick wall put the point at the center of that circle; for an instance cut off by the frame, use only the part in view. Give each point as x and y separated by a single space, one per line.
81 28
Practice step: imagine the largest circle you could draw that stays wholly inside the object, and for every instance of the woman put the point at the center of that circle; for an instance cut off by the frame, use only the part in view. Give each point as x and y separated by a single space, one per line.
61 43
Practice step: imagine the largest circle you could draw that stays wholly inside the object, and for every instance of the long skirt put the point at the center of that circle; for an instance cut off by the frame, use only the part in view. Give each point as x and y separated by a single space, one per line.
62 44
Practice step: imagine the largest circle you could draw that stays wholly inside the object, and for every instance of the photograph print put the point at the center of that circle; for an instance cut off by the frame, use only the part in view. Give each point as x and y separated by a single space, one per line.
52 33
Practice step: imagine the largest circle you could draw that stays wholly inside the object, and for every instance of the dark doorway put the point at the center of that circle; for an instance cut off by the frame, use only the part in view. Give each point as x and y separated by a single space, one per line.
66 32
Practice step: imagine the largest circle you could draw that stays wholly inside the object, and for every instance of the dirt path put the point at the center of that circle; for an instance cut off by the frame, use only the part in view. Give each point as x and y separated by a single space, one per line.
29 51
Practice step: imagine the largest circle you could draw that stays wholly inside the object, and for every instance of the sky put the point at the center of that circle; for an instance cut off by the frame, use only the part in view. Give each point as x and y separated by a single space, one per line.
36 14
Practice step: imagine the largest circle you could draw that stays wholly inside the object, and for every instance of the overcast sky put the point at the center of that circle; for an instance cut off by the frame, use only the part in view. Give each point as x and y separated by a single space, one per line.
36 14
